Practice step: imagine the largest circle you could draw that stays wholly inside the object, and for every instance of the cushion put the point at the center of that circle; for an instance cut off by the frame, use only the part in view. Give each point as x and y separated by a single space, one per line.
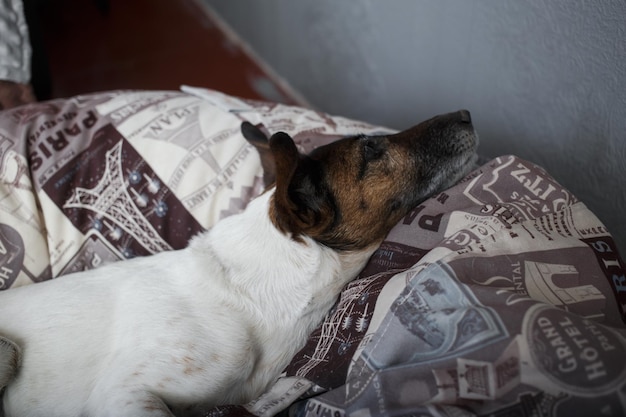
502 295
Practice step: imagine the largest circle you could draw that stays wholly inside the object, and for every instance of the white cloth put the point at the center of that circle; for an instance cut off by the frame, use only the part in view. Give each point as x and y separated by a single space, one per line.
15 51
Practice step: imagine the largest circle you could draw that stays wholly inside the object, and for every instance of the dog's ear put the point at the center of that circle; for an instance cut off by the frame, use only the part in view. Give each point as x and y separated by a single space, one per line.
255 136
301 203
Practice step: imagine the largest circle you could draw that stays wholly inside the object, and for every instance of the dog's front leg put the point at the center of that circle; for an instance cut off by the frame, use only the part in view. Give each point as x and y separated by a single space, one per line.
134 403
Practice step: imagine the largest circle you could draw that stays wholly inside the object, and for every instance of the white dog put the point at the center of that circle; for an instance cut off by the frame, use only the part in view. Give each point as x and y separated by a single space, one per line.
217 322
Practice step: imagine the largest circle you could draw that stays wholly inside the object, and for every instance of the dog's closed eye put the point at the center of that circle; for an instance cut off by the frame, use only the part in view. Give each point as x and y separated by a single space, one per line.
372 150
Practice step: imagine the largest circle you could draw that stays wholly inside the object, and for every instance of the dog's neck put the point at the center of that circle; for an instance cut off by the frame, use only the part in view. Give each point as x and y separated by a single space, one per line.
281 274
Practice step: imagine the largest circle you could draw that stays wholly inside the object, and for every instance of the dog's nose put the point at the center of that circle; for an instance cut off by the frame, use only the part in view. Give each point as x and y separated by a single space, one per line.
465 116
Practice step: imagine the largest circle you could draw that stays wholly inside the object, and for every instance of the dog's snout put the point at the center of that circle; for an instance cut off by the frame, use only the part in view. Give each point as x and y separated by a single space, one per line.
465 117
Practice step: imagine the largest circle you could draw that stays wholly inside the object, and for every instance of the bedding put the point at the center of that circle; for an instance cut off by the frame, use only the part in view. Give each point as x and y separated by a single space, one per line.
502 296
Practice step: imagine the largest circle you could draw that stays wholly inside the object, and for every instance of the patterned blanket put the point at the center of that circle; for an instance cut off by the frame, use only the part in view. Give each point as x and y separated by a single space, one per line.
501 296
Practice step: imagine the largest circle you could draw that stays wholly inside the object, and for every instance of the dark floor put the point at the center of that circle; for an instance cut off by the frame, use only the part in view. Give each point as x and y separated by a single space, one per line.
96 45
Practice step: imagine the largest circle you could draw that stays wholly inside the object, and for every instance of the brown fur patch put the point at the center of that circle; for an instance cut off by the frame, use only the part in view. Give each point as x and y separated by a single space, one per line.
347 195
367 198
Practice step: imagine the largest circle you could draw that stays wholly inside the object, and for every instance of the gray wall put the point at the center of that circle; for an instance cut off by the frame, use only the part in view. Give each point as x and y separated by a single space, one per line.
544 79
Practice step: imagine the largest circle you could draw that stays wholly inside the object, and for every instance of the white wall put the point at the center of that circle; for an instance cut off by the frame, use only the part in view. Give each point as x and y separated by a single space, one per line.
544 79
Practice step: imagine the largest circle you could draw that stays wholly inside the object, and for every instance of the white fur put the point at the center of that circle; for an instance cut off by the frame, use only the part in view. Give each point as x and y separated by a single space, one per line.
212 324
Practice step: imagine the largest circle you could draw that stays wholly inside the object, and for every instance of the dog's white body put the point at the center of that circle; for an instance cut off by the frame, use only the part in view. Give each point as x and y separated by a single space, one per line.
207 324
217 322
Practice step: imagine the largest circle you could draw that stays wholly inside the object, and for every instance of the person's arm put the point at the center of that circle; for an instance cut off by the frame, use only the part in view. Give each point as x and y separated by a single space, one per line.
15 54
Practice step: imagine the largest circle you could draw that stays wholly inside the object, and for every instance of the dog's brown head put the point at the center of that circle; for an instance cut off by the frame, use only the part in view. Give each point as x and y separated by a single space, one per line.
347 195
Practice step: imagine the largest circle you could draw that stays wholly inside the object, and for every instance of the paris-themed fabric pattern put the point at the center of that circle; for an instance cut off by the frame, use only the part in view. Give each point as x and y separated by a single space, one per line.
111 176
501 296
